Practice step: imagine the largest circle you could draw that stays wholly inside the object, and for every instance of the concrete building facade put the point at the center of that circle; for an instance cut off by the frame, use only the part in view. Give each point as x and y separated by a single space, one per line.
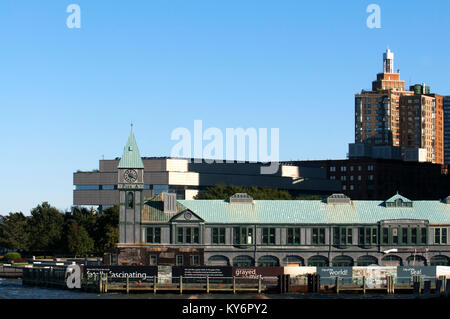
446 110
186 177
366 178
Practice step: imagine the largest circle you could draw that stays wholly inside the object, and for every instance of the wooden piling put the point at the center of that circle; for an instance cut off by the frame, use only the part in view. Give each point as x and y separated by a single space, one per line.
417 280
337 285
154 285
388 288
392 285
444 281
207 284
364 284
128 285
259 284
181 285
234 285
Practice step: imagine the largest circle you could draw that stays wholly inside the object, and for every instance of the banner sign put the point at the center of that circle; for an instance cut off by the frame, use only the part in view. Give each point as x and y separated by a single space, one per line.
255 272
122 272
375 276
204 271
405 273
200 273
328 275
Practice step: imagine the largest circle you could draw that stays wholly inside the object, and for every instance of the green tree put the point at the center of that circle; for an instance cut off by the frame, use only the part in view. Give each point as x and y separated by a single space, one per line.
107 229
226 191
46 229
311 197
78 241
111 238
87 218
14 232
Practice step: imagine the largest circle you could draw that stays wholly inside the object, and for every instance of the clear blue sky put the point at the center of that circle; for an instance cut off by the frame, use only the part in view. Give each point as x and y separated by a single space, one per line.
67 96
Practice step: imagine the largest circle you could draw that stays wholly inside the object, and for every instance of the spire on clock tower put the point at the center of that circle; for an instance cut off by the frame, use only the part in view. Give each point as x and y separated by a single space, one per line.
131 157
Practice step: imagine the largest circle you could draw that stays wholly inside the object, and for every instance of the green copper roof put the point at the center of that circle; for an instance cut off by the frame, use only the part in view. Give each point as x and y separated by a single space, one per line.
303 212
131 157
315 211
398 196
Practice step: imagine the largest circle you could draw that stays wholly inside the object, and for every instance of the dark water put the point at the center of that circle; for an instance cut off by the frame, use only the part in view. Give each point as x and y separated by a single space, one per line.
13 289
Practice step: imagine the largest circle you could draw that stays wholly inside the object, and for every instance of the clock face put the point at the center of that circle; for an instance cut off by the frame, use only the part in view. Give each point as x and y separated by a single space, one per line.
130 175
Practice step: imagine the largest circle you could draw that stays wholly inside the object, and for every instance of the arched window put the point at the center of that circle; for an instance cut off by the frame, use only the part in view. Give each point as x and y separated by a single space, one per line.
130 200
268 261
342 261
293 260
416 260
440 260
318 261
218 260
367 260
243 261
392 260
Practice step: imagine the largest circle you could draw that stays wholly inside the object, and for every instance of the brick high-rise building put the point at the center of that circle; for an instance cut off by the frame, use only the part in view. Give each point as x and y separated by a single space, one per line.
377 118
410 119
421 124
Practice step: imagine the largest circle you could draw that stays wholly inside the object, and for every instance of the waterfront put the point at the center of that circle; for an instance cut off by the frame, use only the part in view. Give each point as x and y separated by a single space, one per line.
13 289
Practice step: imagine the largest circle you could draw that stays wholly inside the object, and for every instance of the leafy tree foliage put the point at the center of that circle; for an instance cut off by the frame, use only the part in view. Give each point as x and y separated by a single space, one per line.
46 229
79 243
14 232
224 192
49 231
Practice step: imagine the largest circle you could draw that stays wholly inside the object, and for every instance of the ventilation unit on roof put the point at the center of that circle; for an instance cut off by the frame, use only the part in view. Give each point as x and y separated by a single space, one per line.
338 199
241 198
170 202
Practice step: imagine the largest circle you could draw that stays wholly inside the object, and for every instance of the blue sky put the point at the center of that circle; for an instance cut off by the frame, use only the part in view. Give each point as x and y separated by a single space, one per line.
67 96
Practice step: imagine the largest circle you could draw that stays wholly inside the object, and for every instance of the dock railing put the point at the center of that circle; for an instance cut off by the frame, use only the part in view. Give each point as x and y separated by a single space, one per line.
389 284
104 284
10 271
44 276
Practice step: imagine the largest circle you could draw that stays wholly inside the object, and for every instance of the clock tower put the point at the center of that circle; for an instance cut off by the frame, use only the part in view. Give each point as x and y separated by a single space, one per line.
130 185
